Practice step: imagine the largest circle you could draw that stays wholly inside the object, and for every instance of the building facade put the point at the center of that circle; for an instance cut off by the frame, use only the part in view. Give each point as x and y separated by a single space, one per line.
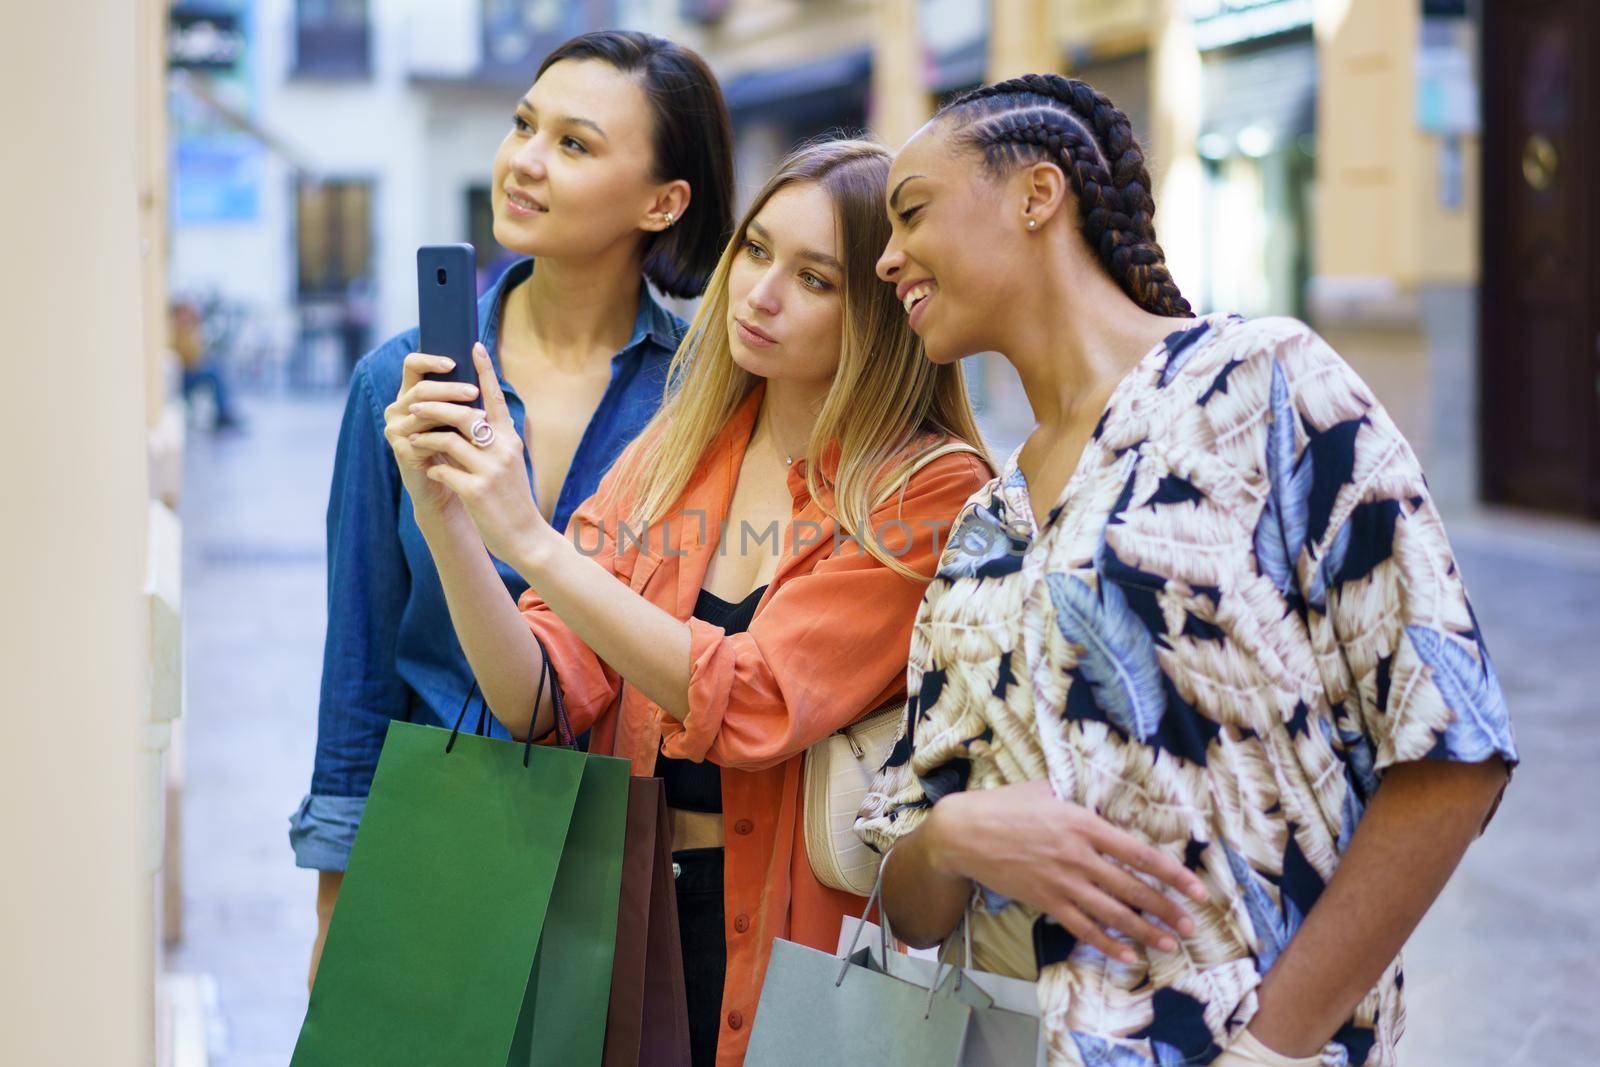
1316 158
351 132
1325 159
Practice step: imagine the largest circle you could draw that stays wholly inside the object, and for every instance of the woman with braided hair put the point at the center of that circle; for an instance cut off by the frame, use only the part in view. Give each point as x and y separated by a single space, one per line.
1203 635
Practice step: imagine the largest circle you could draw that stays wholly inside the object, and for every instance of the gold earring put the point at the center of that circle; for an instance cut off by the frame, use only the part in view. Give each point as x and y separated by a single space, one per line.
670 219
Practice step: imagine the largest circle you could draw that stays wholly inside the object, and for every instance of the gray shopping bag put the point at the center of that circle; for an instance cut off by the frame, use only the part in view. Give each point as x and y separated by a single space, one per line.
808 1016
1005 1011
817 1008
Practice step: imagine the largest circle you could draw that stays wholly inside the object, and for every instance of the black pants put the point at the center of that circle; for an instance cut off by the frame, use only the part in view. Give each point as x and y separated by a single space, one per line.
705 946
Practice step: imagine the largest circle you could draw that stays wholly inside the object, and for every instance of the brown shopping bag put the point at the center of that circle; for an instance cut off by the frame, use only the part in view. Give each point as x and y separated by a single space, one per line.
648 1023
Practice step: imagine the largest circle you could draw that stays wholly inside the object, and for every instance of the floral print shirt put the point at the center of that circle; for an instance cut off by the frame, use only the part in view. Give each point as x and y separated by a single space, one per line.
1241 611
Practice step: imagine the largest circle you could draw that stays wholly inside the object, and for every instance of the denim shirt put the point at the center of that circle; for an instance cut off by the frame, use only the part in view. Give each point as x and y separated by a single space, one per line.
391 651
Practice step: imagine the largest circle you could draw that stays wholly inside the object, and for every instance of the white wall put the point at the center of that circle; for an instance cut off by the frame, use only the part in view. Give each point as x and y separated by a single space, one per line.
423 146
76 896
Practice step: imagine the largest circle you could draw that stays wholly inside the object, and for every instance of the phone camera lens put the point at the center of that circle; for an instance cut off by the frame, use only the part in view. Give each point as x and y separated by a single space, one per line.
441 275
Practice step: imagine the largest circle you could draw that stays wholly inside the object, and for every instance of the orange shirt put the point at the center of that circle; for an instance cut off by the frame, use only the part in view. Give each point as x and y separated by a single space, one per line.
828 643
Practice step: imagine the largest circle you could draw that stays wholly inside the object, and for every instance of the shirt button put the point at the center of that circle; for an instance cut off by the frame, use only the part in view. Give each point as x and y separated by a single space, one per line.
742 923
743 826
735 1020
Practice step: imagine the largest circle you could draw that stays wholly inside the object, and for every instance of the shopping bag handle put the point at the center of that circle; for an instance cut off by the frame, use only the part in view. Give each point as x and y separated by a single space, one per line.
965 929
564 735
886 935
462 714
563 725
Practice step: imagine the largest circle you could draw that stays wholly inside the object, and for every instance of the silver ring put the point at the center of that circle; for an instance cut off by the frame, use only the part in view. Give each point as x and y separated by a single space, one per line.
482 433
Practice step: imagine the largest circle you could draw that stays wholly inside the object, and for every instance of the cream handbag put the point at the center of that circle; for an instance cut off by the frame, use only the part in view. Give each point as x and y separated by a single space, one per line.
840 769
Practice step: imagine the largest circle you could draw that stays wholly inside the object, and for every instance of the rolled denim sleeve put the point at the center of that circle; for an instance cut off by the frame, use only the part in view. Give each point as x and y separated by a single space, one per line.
368 581
323 829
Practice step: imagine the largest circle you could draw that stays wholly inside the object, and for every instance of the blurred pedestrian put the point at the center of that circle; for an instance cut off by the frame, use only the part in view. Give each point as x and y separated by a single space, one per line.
199 364
356 325
616 172
1208 603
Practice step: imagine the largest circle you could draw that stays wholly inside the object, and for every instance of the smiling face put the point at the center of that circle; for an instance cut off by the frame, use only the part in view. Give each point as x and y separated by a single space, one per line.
954 254
785 312
574 174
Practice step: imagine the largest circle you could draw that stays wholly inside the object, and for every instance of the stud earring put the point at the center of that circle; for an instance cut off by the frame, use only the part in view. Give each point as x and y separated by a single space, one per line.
1033 223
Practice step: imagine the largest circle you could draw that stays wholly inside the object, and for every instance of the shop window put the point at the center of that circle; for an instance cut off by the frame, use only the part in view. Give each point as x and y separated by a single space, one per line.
333 39
1257 140
519 33
704 11
333 231
336 294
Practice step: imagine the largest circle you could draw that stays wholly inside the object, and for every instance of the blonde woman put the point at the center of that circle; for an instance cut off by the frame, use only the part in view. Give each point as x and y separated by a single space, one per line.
745 579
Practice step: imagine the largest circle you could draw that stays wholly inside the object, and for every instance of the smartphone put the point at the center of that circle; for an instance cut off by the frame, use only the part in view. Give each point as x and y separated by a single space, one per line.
447 302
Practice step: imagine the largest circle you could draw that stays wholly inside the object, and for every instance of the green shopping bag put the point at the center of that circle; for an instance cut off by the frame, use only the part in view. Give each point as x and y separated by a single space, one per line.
477 920
564 1016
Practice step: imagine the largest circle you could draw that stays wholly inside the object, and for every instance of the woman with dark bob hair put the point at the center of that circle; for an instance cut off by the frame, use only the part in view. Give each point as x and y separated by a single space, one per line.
1207 606
616 172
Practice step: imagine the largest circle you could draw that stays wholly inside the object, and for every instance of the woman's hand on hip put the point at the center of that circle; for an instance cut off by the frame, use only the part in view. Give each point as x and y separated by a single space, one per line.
430 499
1024 843
489 479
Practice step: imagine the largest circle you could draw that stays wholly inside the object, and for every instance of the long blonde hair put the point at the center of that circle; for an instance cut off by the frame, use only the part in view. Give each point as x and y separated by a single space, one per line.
884 397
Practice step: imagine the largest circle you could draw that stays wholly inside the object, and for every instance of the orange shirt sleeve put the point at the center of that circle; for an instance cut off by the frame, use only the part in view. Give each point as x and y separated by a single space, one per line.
829 646
587 683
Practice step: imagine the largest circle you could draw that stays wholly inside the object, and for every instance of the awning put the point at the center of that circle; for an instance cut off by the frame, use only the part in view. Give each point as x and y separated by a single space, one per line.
801 91
1270 91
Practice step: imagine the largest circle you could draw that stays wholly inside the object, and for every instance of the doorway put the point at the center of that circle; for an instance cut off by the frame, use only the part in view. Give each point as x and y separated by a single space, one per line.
1540 400
335 289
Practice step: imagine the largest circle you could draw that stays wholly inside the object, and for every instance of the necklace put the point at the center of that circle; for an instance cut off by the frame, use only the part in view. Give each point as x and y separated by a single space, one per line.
788 460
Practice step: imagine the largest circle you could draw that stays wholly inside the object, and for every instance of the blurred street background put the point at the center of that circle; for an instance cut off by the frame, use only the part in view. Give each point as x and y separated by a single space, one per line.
1418 179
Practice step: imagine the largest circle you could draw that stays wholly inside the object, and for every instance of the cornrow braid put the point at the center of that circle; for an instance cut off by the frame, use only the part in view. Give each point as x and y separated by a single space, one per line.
1047 116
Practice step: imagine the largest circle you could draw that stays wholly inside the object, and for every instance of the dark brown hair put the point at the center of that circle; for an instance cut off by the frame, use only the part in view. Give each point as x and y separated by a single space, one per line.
693 142
1040 117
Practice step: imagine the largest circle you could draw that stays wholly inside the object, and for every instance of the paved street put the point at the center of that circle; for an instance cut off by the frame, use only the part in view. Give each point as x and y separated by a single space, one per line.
255 613
1503 973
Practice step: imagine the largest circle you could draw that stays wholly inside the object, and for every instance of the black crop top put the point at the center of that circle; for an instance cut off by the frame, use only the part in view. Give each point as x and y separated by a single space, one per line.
695 786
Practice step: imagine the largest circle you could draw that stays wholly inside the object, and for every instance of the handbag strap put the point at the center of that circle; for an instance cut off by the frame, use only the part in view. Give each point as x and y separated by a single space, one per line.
948 448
